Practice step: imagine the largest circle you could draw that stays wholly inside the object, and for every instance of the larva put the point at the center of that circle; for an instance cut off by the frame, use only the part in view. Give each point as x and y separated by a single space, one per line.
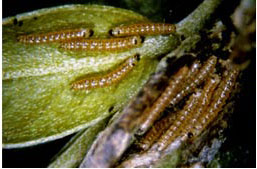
218 100
196 80
108 79
102 44
172 94
155 132
189 115
143 29
55 36
204 102
182 118
161 103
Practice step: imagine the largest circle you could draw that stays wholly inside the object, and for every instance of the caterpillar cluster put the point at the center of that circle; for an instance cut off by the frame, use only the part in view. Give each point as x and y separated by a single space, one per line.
79 39
203 73
108 79
210 109
201 108
152 113
73 39
176 91
191 114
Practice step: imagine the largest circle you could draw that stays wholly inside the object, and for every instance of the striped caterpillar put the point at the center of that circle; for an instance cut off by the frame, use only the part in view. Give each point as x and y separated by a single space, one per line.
207 69
157 108
143 29
161 103
183 117
155 132
102 44
108 79
208 91
55 36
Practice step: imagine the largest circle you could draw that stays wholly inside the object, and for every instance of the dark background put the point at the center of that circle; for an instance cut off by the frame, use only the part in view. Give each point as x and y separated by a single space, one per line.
241 140
164 10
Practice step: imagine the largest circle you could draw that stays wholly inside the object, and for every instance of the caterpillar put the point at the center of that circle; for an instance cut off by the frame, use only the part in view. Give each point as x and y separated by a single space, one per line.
209 88
207 69
102 44
108 79
143 29
55 36
182 118
155 132
163 101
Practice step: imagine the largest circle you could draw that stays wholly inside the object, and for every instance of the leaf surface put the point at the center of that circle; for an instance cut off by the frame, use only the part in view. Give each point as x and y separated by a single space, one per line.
38 103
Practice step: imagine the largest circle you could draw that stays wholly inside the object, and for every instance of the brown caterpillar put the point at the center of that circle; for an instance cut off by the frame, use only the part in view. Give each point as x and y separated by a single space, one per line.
102 44
204 100
108 79
55 36
203 73
163 101
182 118
143 29
155 132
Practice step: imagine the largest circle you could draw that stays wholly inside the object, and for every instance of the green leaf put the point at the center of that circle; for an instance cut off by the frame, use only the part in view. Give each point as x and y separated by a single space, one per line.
38 104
